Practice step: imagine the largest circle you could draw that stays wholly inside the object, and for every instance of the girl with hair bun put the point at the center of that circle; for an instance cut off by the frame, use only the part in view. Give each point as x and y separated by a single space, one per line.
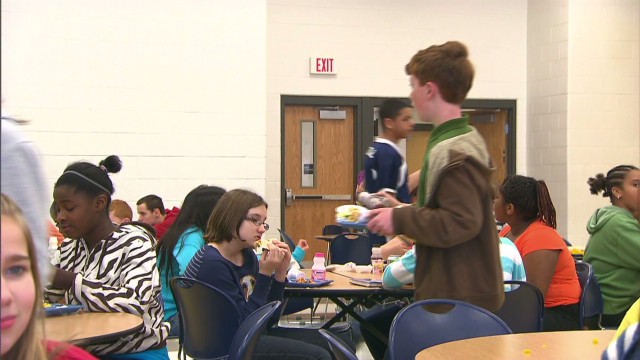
105 267
613 249
525 205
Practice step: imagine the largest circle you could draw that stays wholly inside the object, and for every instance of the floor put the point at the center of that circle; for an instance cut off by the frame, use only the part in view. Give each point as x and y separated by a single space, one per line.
362 352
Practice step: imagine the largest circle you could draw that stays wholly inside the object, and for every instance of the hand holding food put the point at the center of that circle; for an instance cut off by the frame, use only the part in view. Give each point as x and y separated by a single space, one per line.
281 270
270 260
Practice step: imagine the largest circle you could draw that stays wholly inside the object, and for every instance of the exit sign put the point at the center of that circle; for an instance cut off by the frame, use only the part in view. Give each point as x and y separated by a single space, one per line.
322 66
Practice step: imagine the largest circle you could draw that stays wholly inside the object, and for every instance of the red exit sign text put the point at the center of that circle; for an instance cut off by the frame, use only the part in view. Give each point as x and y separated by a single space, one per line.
322 66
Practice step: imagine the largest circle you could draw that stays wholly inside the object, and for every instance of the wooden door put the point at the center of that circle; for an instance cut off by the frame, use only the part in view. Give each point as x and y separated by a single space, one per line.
319 171
491 125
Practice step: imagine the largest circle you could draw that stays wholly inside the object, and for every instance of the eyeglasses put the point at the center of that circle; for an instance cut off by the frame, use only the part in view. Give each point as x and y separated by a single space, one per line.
258 222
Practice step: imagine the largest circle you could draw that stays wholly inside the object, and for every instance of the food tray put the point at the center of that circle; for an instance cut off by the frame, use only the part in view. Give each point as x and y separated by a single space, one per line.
309 285
60 309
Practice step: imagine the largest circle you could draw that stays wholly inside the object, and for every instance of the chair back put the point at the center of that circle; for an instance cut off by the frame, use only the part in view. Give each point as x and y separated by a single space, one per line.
287 239
340 350
333 229
351 248
416 328
591 302
254 325
523 307
209 319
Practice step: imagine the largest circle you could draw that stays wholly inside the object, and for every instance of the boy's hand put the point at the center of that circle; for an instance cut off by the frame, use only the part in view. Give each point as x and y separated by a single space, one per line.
381 221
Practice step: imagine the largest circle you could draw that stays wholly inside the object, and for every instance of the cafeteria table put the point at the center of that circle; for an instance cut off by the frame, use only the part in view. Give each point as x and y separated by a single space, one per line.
579 344
89 328
341 289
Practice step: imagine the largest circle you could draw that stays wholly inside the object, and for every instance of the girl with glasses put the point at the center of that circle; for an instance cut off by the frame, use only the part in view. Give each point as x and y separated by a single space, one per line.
229 264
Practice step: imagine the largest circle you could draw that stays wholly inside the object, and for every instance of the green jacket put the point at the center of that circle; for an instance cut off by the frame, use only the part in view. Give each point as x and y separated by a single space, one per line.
614 252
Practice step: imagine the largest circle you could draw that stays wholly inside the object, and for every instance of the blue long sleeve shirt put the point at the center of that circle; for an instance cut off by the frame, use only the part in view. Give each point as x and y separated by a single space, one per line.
188 245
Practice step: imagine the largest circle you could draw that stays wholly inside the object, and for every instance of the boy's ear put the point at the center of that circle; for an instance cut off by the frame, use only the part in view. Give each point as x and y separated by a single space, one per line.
387 123
157 212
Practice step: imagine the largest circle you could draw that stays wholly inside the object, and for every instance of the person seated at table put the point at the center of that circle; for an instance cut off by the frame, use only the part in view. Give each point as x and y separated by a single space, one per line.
104 267
120 212
183 240
626 343
525 205
401 272
228 263
151 211
613 249
21 292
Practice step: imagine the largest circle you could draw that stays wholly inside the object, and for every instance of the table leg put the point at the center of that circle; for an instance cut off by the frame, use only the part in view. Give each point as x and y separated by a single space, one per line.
348 309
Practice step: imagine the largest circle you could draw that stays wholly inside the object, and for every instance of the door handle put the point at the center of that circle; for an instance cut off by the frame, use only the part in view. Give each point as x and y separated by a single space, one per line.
289 197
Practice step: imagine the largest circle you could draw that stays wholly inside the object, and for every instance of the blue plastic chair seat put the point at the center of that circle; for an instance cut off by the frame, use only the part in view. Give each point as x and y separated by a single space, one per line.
416 328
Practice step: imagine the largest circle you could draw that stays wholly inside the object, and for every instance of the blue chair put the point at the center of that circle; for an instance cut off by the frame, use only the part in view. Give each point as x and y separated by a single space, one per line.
287 239
340 350
591 302
523 307
254 325
416 328
210 321
351 248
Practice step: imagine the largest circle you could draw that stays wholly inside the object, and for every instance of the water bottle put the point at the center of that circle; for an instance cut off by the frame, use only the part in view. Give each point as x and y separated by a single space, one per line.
377 263
318 270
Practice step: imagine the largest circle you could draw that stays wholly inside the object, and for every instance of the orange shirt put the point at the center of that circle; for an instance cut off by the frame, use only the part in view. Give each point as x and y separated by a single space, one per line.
564 288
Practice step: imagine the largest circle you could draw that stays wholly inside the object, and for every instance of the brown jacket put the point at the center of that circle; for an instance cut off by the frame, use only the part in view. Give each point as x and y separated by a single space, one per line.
457 245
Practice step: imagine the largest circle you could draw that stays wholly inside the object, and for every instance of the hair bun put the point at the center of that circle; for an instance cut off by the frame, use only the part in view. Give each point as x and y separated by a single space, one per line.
597 184
111 164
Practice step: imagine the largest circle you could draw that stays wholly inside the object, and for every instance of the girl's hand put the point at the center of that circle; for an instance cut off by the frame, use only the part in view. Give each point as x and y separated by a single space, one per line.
395 246
283 267
270 260
303 244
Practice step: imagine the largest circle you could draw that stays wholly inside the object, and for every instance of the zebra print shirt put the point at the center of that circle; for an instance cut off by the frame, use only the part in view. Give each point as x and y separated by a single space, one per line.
118 275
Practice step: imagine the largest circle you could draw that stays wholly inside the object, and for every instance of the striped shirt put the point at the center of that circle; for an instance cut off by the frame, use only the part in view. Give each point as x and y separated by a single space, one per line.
401 271
118 275
626 346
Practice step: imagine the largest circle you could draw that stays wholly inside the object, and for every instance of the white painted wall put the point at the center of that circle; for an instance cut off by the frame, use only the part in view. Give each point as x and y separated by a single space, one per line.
603 107
547 75
176 88
583 90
